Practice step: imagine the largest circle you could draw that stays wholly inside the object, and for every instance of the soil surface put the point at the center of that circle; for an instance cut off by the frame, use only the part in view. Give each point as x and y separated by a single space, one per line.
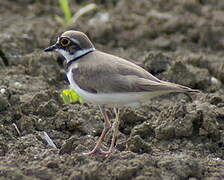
172 137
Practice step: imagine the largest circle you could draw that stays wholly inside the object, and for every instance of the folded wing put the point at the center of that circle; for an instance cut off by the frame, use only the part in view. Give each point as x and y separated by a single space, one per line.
118 76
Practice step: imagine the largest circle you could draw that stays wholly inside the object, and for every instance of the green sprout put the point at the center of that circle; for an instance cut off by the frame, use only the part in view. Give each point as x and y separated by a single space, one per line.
70 18
64 5
68 96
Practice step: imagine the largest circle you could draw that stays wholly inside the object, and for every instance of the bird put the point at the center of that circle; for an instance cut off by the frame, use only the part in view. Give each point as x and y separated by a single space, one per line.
108 81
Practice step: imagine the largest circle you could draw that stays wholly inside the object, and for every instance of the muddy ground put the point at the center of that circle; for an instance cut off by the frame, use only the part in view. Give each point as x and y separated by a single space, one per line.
171 137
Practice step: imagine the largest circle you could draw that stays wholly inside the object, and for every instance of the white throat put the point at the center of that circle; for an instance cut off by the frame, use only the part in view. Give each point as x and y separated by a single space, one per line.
77 54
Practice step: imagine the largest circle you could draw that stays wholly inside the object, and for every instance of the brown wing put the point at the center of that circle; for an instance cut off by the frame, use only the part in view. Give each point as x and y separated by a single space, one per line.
103 73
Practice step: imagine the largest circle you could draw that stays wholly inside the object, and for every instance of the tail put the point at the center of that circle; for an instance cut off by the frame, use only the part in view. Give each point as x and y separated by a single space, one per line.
181 88
193 90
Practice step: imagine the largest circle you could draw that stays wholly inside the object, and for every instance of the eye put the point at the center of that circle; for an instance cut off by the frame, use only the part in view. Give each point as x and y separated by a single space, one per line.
64 42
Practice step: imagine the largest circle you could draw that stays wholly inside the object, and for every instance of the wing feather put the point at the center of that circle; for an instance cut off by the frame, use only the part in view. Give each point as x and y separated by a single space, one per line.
104 73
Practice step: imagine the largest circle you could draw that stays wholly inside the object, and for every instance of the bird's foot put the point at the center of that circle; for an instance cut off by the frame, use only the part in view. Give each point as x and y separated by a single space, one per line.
108 153
99 150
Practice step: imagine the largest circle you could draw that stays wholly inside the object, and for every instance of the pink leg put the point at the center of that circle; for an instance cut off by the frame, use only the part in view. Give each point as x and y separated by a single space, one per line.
115 132
107 126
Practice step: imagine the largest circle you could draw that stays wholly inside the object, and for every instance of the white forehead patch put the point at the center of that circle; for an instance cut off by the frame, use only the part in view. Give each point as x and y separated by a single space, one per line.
58 40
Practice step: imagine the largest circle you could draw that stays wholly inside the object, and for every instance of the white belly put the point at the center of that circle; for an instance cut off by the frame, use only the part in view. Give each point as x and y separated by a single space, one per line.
109 99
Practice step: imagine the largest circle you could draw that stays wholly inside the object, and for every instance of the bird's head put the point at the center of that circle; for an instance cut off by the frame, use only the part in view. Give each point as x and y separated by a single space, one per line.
72 45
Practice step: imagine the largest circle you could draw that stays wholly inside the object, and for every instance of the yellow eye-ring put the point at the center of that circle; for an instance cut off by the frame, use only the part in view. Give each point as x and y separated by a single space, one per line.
64 42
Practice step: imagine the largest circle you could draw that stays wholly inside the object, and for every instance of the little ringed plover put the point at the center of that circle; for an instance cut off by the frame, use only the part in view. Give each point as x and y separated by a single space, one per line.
108 80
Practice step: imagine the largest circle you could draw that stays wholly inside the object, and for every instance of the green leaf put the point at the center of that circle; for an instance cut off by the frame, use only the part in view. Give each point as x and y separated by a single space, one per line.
64 5
68 96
